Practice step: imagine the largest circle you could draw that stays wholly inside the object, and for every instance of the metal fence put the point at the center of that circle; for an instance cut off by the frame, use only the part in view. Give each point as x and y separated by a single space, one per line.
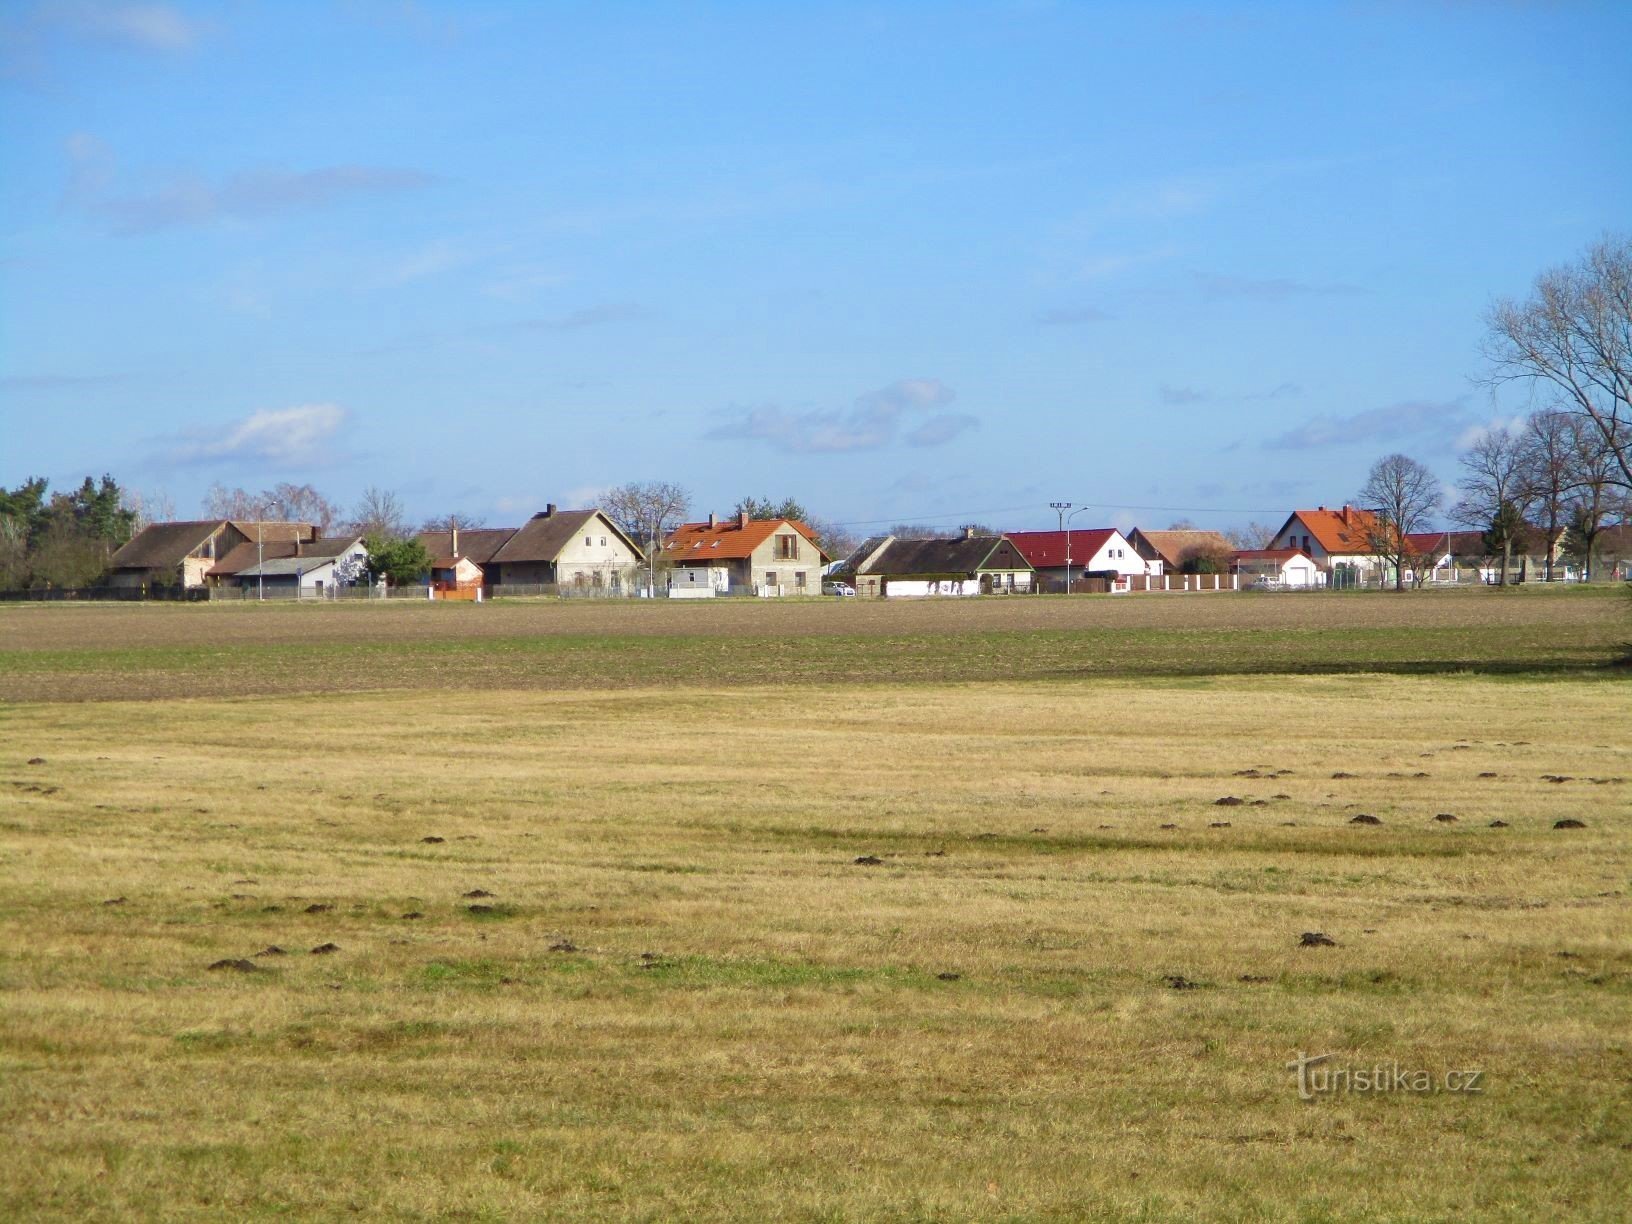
108 594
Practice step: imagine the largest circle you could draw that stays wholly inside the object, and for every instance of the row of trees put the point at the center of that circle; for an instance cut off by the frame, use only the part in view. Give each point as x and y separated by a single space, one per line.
62 539
1568 465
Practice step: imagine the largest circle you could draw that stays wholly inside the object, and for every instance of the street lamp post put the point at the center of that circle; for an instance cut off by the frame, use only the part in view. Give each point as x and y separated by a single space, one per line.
1068 519
260 551
651 558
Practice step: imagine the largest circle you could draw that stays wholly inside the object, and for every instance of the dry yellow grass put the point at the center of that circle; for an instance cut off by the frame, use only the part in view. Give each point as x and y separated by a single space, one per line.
788 1048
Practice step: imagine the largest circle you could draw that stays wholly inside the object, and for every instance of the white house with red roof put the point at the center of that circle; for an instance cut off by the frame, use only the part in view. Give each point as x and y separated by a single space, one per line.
1092 550
744 556
1338 541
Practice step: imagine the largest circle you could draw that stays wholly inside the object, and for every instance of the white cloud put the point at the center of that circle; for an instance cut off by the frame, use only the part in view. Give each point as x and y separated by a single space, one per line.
193 201
1476 433
1271 288
1175 396
1102 267
876 420
1435 418
143 27
1072 316
302 434
939 430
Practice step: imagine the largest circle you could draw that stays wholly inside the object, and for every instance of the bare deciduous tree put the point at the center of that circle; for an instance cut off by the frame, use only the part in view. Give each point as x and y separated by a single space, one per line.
1547 470
1494 491
441 522
1596 496
149 508
291 502
379 515
304 504
225 503
1574 333
1253 535
647 509
1404 495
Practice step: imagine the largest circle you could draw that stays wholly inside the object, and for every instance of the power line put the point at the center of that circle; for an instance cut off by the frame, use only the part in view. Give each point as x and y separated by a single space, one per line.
966 515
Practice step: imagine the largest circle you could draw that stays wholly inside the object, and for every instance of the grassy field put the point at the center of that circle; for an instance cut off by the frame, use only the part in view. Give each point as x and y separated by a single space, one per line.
97 651
1068 987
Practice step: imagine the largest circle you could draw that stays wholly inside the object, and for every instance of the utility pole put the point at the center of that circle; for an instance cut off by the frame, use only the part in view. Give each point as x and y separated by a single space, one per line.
260 551
1068 519
1060 508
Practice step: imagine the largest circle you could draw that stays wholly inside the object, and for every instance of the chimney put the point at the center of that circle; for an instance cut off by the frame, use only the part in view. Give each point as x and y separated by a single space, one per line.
549 509
455 532
297 541
713 521
968 533
742 520
1345 513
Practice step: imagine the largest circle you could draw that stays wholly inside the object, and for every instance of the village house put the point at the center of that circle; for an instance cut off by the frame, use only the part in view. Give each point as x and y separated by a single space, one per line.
307 568
1093 550
182 553
743 556
581 549
1339 543
963 565
461 556
1275 568
1180 551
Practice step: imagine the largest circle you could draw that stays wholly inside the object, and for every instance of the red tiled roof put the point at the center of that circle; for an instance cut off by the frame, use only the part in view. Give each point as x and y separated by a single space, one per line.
1046 549
1339 531
728 540
1427 543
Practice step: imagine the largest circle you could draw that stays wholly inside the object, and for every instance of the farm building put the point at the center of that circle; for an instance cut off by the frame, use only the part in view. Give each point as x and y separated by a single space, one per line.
964 565
183 553
743 556
309 567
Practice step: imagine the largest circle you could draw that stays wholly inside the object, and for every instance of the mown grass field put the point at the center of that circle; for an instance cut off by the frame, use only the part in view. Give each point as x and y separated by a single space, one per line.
1068 987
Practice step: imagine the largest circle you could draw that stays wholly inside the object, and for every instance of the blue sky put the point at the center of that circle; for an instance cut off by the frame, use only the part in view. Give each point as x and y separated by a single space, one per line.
900 261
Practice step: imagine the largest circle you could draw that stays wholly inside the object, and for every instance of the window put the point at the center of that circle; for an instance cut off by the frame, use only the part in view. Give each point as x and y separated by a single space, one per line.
787 547
603 541
770 577
799 579
588 543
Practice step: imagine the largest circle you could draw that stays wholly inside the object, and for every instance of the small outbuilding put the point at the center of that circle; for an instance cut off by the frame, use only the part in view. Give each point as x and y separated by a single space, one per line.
1289 569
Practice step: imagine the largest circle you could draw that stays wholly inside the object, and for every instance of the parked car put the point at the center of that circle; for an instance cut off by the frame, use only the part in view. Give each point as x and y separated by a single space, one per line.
838 588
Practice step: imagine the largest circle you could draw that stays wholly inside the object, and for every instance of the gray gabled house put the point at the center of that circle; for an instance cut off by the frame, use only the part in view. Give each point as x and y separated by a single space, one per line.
969 564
